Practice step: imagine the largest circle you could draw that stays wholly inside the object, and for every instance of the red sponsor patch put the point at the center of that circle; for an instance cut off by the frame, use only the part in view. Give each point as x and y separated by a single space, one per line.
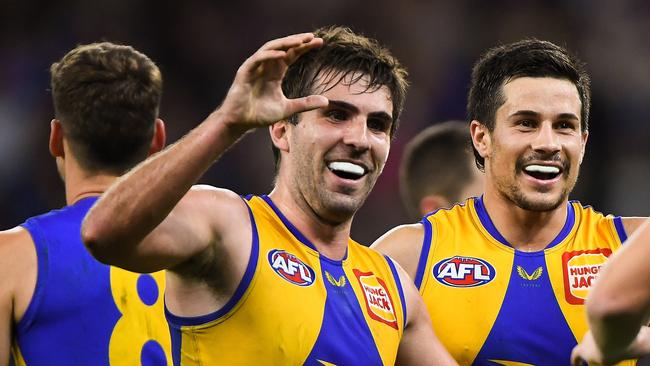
580 270
379 303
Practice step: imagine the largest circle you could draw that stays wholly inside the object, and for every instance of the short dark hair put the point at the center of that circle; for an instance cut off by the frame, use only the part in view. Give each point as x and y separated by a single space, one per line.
526 58
345 54
435 161
107 98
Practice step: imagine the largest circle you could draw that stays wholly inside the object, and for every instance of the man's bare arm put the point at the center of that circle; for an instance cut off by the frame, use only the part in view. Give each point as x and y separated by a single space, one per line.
18 271
147 220
404 245
419 345
619 304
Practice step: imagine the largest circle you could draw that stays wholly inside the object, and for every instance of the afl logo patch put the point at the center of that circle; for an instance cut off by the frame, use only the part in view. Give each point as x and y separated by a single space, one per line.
291 268
463 272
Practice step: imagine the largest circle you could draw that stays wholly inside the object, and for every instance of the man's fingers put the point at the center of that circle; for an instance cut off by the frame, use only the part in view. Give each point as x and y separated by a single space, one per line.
288 42
259 57
576 359
306 104
295 52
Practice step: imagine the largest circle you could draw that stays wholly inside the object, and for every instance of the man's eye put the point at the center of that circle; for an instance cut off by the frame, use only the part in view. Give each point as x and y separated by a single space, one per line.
526 123
378 125
565 125
337 115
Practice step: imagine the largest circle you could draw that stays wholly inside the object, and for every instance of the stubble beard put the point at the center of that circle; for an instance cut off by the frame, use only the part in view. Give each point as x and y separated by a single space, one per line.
515 194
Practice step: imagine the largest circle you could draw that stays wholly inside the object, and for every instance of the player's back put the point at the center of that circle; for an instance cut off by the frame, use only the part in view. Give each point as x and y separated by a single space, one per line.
83 312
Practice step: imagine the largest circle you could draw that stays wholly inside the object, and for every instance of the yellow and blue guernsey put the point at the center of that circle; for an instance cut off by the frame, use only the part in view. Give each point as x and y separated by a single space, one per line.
84 312
493 305
295 307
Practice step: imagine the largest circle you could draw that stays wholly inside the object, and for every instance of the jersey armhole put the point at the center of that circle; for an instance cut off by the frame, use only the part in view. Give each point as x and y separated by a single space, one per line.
424 253
400 289
42 268
620 229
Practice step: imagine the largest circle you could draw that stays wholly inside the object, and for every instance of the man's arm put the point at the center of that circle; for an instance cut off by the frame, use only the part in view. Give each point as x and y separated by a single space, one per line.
619 304
18 270
419 345
631 224
404 245
148 221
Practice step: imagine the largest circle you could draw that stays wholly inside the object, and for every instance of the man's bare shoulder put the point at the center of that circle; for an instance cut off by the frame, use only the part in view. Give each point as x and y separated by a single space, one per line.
403 244
16 246
18 268
226 209
632 223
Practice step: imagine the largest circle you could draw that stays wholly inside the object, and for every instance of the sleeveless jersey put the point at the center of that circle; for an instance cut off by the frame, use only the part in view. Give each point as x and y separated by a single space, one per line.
493 305
295 306
84 312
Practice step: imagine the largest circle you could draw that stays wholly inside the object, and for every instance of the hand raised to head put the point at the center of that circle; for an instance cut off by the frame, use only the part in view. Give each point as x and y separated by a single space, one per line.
255 97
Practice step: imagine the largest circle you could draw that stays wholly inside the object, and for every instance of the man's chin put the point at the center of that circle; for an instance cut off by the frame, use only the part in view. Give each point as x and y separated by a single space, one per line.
342 206
536 203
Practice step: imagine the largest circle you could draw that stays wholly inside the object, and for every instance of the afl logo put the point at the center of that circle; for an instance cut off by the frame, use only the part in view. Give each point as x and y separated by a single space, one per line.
292 269
463 272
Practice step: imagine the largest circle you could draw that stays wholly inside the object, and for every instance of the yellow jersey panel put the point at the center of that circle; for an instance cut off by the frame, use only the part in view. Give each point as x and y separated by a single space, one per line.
493 305
296 307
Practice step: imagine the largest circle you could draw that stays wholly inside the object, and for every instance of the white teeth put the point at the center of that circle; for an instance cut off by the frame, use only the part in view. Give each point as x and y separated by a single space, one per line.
542 169
346 167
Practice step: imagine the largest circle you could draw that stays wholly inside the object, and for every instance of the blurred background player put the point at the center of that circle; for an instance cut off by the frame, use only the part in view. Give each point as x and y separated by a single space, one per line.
276 279
438 169
58 305
619 306
515 265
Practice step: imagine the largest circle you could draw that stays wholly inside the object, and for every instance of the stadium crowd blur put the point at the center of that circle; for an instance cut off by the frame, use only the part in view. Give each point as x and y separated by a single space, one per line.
199 44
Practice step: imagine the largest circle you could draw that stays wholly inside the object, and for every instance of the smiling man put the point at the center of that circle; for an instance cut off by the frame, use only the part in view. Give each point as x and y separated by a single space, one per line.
276 279
504 276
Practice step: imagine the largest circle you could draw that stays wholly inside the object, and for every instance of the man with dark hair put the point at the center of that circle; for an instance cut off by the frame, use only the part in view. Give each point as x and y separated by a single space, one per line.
59 305
437 169
276 279
505 275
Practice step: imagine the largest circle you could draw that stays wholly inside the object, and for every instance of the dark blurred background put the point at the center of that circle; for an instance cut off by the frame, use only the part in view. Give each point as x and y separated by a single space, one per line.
199 45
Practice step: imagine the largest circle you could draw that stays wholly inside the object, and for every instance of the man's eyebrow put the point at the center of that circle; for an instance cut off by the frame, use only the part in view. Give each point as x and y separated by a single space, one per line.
352 108
528 113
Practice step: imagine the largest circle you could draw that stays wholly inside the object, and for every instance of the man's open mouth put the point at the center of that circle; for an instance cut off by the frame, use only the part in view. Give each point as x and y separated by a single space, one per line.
347 170
542 172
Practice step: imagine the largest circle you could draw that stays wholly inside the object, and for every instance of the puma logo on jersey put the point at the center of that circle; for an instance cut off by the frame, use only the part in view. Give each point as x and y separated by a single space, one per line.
291 268
530 277
463 272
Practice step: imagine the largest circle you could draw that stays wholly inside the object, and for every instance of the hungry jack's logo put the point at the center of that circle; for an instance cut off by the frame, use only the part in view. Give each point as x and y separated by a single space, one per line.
379 303
580 269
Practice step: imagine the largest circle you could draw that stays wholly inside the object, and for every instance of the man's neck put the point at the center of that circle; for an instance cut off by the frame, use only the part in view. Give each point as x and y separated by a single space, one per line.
525 230
79 185
330 239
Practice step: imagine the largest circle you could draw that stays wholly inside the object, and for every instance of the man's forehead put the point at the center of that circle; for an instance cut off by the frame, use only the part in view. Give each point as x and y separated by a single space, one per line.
373 99
542 95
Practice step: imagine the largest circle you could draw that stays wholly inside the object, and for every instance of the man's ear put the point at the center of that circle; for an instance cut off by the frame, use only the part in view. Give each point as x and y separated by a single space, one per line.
56 139
159 137
481 138
585 137
280 135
